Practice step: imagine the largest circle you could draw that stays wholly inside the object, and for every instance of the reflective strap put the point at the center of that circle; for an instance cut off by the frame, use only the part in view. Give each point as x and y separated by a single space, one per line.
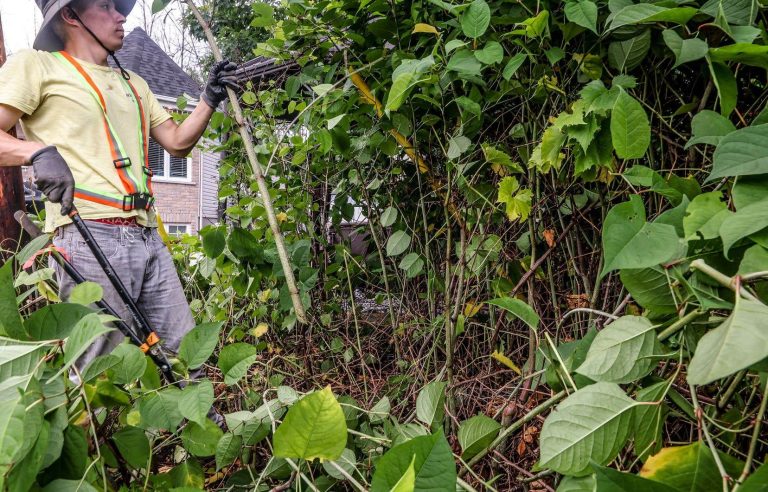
119 156
144 154
108 199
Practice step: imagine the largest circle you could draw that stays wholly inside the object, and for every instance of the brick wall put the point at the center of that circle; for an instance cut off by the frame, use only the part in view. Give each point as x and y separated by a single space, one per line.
179 202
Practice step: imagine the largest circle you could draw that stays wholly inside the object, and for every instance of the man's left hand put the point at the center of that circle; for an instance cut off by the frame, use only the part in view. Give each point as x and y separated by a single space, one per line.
222 76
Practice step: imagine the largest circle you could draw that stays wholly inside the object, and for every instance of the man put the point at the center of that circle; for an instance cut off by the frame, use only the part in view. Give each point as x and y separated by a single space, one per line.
87 127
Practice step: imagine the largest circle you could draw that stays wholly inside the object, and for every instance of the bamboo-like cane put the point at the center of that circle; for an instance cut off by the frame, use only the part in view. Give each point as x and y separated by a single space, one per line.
290 280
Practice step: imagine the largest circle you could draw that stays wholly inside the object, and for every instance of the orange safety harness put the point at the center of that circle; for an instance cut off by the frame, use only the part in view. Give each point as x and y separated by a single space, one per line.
138 188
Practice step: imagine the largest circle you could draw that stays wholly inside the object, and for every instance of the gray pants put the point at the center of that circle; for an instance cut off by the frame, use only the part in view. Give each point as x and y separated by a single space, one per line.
145 267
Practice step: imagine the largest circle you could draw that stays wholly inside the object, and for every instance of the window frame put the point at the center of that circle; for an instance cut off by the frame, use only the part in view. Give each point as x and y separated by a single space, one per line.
187 228
167 168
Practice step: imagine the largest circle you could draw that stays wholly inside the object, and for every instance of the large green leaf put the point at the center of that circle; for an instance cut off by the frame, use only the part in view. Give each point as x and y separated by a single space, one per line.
610 480
227 449
513 65
22 476
198 345
748 190
476 434
630 242
738 12
347 462
162 410
519 309
743 152
650 287
131 365
689 468
736 344
649 420
582 13
647 13
10 320
685 50
313 428
408 481
757 481
196 400
214 241
705 214
133 444
622 352
475 20
708 127
62 485
604 416
727 88
404 78
747 220
755 259
19 358
235 360
430 404
491 54
85 332
431 458
54 321
201 440
630 130
746 53
626 54
13 416
398 243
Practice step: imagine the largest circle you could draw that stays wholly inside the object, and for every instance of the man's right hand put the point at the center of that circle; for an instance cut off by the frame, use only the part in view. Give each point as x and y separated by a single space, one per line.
53 177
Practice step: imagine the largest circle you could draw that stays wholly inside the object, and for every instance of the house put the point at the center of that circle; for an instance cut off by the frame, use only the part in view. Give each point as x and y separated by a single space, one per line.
185 189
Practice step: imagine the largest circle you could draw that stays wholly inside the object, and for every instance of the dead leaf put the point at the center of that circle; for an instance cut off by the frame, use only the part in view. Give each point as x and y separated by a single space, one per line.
549 237
577 301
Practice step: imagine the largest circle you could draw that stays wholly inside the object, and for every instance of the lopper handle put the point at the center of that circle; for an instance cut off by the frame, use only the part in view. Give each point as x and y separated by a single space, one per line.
27 224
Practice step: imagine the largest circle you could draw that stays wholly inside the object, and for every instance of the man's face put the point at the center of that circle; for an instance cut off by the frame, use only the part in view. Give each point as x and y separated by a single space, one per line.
101 17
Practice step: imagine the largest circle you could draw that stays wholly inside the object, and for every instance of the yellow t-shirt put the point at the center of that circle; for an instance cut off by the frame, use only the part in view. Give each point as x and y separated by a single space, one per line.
60 110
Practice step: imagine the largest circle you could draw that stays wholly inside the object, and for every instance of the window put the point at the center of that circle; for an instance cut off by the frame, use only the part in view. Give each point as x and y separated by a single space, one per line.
164 166
177 229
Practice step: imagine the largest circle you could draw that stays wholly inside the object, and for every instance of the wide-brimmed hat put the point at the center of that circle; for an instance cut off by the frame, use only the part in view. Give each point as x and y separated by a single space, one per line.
47 39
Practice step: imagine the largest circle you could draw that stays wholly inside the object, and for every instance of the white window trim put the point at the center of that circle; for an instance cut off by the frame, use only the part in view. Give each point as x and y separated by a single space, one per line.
167 171
186 227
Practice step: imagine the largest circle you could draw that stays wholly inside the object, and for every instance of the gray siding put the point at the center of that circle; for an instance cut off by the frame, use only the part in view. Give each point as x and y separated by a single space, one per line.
210 184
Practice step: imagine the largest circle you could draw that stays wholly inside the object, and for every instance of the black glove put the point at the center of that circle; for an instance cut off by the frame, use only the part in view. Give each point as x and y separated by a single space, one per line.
222 76
53 177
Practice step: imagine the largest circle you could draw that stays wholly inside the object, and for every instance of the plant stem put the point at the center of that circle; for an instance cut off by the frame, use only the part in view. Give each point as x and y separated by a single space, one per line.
679 324
755 437
722 279
290 280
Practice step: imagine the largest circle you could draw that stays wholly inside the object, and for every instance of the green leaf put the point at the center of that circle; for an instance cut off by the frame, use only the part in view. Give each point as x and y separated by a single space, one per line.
630 130
214 242
430 404
131 364
408 482
538 26
85 332
201 440
649 420
519 309
500 158
748 190
475 20
227 449
734 345
650 287
398 243
465 63
621 352
708 127
685 50
704 216
313 428
577 484
582 13
263 15
413 265
604 415
740 153
690 467
457 145
16 393
161 411
513 65
198 345
755 260
727 88
62 485
404 78
757 481
86 293
195 401
235 360
647 13
380 411
23 474
491 53
431 458
745 53
19 358
630 242
516 200
133 444
627 54
738 12
54 321
610 480
747 220
10 320
388 216
476 434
